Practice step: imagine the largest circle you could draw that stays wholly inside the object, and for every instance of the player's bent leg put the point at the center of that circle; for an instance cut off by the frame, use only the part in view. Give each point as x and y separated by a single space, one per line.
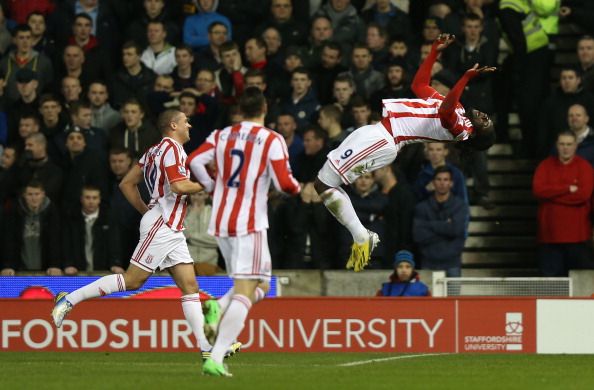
261 291
185 278
132 279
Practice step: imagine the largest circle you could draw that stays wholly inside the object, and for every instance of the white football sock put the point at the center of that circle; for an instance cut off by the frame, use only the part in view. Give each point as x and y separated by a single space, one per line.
338 203
193 313
231 325
259 294
225 300
100 287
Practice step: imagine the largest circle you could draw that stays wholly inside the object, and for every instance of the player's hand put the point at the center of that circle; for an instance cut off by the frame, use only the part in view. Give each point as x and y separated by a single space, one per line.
53 271
443 41
7 272
70 271
476 70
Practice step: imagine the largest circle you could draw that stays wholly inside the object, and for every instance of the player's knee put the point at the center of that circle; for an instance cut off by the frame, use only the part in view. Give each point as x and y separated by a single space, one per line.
133 283
264 286
320 187
189 286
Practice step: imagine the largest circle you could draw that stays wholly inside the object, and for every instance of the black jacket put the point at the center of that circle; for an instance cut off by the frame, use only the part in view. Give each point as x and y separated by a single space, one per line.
124 86
14 223
106 251
85 168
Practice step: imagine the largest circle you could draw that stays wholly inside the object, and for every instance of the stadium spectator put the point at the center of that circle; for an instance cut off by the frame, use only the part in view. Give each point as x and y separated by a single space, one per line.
286 125
377 42
577 120
89 240
453 22
274 43
103 114
209 57
36 166
321 31
134 80
19 10
72 65
229 79
202 246
97 58
154 11
437 153
28 124
553 114
41 40
53 123
369 204
326 71
257 78
103 21
82 166
184 73
159 56
161 96
197 27
292 31
71 90
585 53
302 103
563 186
124 218
24 57
8 166
439 226
361 112
398 213
329 121
396 86
204 112
404 281
367 79
96 138
134 133
387 15
344 90
311 217
27 101
244 16
32 234
347 26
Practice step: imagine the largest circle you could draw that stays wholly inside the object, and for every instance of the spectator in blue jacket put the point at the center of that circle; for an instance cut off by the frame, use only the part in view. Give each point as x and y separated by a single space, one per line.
404 282
302 103
436 153
439 226
196 26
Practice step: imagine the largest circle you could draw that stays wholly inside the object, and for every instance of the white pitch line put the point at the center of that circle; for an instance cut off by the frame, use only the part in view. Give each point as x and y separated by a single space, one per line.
361 362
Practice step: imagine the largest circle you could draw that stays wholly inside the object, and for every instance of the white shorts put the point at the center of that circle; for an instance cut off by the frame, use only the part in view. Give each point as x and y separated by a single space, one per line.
247 257
159 246
366 149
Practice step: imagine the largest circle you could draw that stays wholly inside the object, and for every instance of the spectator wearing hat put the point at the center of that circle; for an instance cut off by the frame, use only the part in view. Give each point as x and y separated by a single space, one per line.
24 57
404 281
439 226
28 99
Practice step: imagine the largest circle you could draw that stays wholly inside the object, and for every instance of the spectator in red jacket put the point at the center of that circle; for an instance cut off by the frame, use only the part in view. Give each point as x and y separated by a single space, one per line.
563 185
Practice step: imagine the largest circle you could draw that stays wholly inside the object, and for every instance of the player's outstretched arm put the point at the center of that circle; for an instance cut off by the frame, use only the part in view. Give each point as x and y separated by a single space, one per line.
129 187
421 83
446 110
186 187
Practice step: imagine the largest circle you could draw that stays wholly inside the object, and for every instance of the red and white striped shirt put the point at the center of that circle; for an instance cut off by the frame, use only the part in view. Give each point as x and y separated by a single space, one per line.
163 164
418 120
247 158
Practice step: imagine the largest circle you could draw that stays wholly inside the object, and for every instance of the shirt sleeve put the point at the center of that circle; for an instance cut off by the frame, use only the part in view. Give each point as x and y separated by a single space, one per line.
174 166
278 156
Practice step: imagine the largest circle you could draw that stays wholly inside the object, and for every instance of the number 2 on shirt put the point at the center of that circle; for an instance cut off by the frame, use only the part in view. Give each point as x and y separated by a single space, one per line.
239 153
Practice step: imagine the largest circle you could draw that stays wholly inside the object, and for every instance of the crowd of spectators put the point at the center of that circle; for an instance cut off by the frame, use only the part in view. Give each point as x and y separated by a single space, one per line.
82 81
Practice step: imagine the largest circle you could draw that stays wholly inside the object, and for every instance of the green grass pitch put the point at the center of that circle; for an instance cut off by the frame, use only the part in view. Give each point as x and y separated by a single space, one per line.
95 370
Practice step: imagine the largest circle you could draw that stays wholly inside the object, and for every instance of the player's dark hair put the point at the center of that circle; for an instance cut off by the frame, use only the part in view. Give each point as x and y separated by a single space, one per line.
252 102
165 119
